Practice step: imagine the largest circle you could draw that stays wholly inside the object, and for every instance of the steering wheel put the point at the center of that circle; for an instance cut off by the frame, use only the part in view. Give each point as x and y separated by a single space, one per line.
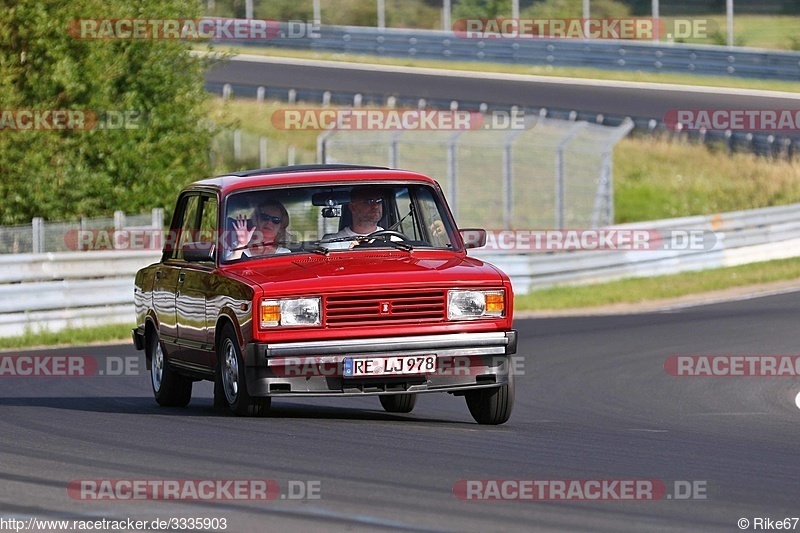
387 233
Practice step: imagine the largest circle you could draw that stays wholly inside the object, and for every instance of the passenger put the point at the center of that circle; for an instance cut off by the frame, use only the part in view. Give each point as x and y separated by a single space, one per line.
266 235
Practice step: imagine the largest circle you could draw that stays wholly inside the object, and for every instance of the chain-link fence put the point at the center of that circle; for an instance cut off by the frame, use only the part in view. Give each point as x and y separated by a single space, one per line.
238 149
551 174
58 236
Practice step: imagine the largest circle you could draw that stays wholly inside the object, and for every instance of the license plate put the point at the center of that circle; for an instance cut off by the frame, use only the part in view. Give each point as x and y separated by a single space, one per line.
363 367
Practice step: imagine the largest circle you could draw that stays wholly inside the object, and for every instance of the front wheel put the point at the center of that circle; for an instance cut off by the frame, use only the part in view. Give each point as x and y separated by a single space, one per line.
398 403
492 406
231 379
169 388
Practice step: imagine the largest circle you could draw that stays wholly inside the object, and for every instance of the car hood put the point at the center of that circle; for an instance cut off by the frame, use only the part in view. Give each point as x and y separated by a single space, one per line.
338 272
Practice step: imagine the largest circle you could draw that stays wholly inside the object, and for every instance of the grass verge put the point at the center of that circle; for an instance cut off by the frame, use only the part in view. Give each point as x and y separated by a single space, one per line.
107 333
641 290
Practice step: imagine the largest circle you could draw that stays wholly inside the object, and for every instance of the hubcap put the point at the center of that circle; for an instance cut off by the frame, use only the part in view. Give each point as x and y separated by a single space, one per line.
230 372
157 367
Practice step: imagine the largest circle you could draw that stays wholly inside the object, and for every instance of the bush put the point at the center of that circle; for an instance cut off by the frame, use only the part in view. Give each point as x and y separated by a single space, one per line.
69 173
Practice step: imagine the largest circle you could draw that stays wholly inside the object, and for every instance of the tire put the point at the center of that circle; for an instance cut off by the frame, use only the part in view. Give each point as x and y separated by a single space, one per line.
169 388
232 380
492 406
398 403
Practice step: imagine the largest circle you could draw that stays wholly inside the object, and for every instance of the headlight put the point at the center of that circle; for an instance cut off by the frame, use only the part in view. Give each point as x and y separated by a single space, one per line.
290 312
467 305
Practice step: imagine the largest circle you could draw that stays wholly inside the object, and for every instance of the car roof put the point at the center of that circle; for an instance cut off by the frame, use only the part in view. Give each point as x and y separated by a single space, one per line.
308 175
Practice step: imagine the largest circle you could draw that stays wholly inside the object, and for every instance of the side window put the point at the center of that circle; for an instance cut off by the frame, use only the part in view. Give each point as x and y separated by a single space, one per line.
208 221
407 222
431 219
188 223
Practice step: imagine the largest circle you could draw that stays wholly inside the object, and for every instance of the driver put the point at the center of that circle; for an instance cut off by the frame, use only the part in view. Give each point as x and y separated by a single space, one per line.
366 207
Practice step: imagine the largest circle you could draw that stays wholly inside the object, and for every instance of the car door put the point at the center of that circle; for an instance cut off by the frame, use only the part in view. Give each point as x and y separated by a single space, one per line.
191 297
166 276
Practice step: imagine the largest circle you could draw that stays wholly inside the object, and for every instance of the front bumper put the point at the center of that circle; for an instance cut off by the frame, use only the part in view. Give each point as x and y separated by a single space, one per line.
466 361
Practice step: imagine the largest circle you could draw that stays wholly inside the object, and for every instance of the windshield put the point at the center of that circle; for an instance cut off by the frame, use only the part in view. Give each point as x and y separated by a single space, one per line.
329 219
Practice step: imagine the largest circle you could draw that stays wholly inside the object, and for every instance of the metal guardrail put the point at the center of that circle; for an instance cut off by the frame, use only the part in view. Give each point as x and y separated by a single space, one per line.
741 237
709 60
55 290
88 288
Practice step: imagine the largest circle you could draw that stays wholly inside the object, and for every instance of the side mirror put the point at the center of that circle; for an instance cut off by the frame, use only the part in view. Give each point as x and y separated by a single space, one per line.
473 238
198 251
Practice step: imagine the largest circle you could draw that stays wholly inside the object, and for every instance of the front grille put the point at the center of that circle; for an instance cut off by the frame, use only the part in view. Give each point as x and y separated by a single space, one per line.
399 307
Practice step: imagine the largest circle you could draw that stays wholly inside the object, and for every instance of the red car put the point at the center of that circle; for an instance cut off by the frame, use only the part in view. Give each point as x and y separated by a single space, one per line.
324 280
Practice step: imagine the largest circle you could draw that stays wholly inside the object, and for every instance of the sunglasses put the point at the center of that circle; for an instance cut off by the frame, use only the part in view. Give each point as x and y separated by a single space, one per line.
370 201
269 218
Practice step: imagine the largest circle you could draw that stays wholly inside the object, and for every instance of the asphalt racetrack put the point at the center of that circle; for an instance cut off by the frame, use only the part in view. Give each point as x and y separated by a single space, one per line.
611 98
594 402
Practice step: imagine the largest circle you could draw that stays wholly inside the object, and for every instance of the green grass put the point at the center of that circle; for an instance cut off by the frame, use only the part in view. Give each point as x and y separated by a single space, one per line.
544 70
111 332
658 178
639 290
778 32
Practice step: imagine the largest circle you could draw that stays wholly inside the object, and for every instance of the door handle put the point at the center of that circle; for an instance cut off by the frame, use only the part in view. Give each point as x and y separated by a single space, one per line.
158 275
181 277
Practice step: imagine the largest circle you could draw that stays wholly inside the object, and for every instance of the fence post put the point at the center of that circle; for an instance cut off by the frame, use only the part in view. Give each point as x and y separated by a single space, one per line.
262 152
119 224
290 154
560 189
237 145
157 217
452 172
37 226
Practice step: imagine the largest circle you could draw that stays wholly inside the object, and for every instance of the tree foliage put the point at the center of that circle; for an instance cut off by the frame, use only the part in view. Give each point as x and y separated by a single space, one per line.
68 173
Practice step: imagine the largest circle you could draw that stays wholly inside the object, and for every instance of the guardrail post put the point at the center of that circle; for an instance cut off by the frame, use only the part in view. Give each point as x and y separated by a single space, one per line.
260 92
37 226
227 91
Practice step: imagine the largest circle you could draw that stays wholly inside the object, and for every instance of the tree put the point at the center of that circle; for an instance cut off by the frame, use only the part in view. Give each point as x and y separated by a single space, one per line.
152 88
